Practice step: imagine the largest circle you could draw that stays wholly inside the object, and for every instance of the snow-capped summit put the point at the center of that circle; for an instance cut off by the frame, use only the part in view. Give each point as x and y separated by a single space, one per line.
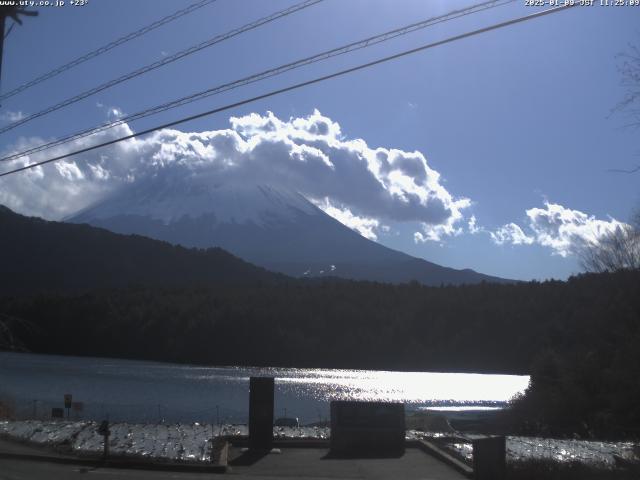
169 199
268 225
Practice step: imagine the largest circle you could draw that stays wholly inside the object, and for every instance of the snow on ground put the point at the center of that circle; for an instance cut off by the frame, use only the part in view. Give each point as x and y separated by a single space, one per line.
192 442
592 453
172 442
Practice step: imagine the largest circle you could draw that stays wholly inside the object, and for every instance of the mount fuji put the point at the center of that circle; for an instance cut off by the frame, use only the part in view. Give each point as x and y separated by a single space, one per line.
268 225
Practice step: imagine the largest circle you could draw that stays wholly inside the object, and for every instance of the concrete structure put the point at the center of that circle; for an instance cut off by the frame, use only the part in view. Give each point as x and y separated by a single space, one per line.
261 391
367 428
489 456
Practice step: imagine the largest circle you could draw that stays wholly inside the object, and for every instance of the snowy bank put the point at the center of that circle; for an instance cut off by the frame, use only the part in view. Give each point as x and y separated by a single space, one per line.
192 443
591 453
163 442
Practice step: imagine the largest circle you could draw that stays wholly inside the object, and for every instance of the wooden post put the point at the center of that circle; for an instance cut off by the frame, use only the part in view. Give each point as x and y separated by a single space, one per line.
105 432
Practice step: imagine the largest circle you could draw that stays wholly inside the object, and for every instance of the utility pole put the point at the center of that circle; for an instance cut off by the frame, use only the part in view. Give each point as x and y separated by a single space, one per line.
14 12
3 17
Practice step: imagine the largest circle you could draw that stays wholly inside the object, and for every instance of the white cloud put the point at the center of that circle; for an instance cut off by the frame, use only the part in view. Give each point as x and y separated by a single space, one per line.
11 116
419 237
367 227
473 227
115 113
564 230
511 233
365 186
57 190
435 233
379 183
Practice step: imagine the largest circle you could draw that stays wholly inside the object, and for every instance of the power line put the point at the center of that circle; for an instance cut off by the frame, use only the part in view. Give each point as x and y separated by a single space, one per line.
621 170
165 61
297 86
105 48
351 47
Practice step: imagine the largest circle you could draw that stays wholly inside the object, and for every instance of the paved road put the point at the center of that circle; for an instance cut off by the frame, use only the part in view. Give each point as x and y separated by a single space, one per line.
291 463
24 470
311 463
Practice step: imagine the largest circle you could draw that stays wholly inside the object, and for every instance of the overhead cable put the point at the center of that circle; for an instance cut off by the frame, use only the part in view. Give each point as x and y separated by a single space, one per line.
161 63
351 47
105 48
296 86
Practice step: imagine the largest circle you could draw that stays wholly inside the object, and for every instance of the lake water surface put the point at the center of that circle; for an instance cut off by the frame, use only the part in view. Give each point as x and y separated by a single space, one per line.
142 391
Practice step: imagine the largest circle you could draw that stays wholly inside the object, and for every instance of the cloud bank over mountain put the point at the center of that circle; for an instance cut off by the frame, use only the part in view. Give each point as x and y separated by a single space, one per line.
361 186
349 179
365 188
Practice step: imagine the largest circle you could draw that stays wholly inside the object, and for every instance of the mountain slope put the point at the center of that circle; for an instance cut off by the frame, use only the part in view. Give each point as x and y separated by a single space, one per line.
267 225
39 255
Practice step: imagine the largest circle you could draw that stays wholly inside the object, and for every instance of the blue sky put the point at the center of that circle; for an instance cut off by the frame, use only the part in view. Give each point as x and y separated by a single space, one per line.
510 119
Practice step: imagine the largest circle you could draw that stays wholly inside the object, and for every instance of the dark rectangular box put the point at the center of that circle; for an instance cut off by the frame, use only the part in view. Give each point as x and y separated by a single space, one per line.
261 391
489 458
367 428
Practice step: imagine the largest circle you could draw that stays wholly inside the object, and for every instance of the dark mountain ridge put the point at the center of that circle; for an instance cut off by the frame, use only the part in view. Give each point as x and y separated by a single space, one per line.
39 255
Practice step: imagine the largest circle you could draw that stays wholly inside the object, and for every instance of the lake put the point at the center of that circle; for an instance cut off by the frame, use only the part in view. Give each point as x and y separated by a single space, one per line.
143 391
